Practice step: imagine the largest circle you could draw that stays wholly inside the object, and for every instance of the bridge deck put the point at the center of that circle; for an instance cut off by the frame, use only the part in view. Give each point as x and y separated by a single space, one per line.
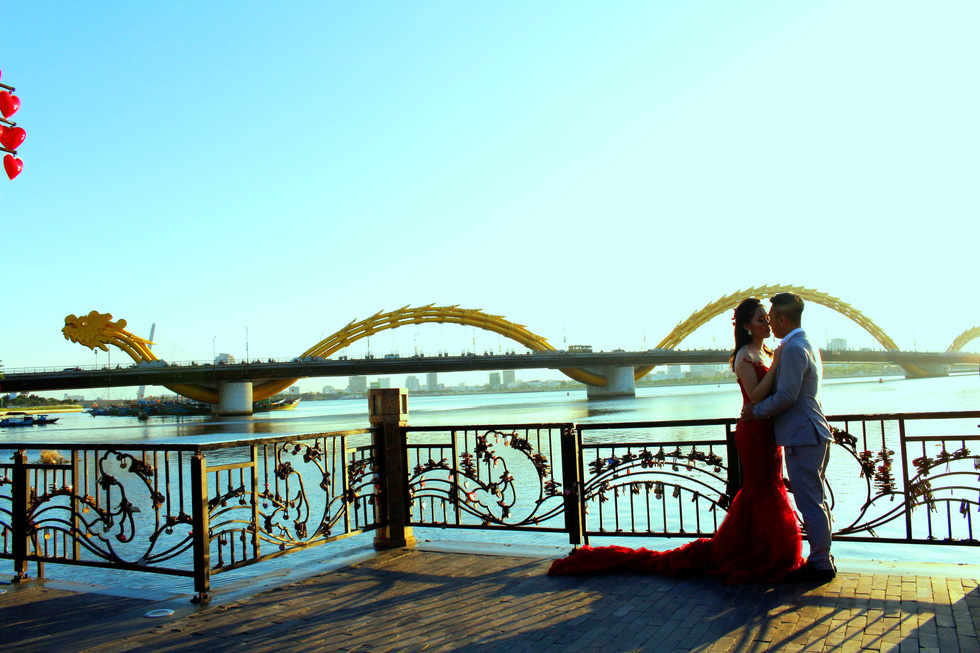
159 374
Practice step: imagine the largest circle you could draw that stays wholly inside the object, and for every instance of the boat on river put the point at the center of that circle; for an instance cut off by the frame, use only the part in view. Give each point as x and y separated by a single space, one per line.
278 404
23 419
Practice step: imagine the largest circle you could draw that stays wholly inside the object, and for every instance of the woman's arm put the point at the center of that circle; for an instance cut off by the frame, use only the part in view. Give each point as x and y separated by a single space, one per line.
790 381
756 389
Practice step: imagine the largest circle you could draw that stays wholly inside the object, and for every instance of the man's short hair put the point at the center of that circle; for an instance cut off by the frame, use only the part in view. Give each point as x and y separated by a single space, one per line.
790 305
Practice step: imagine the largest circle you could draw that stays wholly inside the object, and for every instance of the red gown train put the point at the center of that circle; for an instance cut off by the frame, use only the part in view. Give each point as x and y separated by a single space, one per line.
758 541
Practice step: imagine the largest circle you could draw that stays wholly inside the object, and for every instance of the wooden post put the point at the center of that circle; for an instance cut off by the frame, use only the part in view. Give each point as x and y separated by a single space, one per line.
201 535
571 480
20 498
388 412
734 465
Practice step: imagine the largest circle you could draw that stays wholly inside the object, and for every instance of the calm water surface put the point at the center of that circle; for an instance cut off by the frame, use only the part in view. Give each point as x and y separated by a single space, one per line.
839 397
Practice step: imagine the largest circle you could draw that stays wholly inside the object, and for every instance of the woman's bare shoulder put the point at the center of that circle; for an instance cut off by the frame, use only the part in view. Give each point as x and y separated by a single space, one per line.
747 355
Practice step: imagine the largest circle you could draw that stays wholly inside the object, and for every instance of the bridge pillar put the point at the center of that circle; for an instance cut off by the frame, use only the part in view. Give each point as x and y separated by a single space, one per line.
620 383
925 371
234 398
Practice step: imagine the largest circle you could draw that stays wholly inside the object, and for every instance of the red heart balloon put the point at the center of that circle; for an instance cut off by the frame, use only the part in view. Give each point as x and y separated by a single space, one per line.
11 137
12 166
8 104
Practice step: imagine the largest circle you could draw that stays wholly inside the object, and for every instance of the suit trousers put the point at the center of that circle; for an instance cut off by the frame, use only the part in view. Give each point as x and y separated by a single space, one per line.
806 466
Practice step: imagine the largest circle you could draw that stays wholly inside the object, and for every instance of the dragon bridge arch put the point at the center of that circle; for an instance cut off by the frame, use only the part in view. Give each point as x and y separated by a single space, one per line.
99 330
729 302
962 340
443 315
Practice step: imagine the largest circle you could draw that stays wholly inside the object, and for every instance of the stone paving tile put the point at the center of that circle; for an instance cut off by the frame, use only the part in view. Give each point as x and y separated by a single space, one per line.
414 600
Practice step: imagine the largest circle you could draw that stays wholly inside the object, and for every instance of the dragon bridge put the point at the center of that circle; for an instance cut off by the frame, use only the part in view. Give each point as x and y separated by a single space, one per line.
98 330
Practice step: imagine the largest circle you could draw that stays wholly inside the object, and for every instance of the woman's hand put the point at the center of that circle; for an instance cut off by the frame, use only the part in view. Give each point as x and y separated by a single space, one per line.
775 356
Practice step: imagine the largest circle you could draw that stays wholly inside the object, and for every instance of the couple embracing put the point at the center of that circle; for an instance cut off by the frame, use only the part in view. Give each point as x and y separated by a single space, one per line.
759 540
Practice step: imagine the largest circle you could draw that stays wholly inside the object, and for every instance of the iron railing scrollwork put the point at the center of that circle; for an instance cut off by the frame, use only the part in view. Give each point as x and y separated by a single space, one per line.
678 478
498 476
911 468
306 492
185 510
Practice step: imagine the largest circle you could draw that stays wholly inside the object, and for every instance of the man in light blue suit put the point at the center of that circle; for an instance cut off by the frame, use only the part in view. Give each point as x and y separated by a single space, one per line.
802 430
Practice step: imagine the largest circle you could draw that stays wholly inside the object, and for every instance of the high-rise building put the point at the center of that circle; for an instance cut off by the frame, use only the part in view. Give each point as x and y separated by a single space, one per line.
384 381
837 344
357 384
431 382
412 384
494 379
510 378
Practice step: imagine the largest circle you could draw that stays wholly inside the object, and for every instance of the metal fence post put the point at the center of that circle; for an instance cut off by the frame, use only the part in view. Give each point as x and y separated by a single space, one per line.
201 535
388 413
20 498
734 483
571 480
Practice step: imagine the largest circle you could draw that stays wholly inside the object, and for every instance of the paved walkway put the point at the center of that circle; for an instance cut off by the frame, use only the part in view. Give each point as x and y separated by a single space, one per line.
434 599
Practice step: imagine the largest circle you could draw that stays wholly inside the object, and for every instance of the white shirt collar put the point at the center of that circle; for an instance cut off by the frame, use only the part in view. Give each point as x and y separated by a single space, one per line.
791 334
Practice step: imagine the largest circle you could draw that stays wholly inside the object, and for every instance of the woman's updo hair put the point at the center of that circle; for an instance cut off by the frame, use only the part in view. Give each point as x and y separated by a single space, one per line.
744 313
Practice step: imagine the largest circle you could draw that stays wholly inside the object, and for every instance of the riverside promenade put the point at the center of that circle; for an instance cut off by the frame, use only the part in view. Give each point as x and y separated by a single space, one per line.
444 596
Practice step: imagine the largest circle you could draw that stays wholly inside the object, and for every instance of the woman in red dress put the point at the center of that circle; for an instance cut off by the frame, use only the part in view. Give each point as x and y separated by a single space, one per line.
759 540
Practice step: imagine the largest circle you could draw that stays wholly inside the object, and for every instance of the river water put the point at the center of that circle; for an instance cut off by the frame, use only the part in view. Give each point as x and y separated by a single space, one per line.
839 397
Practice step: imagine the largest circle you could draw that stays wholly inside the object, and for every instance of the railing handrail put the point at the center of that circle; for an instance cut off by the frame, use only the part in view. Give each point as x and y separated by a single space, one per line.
188 447
588 426
651 443
481 427
943 414
718 421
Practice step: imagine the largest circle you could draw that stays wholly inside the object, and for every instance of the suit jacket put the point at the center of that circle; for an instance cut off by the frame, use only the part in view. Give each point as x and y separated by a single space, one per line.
794 405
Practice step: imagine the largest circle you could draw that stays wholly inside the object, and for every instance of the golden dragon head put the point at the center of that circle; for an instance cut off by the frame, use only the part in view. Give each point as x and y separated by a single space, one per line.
94 330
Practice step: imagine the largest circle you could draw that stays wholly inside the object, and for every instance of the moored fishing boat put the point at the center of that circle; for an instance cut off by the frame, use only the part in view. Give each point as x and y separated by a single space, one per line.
16 418
279 404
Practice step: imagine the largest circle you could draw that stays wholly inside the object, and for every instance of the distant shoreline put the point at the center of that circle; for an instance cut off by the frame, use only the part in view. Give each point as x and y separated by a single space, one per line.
568 386
43 410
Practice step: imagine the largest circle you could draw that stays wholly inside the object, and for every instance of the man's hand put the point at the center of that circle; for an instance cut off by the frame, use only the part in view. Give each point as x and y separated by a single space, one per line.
747 412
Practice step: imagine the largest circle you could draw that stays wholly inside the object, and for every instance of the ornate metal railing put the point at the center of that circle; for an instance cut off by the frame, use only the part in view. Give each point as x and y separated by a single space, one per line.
196 509
909 478
185 510
912 477
657 478
496 477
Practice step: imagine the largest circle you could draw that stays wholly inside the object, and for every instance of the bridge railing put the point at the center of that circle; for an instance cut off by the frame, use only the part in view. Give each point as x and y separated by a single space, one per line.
505 476
901 478
185 510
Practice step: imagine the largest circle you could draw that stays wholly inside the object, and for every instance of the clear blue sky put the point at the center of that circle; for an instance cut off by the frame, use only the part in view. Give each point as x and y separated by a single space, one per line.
595 171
